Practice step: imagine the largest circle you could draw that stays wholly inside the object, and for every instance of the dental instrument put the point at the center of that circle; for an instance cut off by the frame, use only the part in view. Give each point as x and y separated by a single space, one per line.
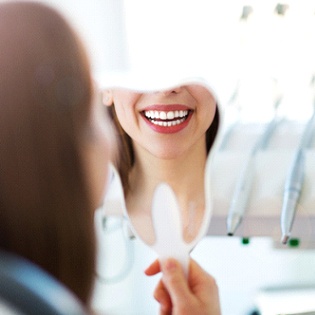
244 184
292 192
294 182
240 196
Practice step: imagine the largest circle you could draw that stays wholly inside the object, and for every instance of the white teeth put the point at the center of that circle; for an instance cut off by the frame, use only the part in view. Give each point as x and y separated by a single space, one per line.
154 114
168 123
163 115
166 118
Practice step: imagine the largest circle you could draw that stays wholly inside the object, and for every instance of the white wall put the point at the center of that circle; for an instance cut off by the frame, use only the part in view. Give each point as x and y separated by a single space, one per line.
101 25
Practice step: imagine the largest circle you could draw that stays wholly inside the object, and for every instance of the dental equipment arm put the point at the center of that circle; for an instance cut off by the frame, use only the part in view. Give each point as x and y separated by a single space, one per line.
292 192
294 182
243 187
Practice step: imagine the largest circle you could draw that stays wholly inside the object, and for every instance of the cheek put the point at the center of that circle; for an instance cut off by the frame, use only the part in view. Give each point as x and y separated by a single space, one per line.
127 119
125 106
122 115
208 115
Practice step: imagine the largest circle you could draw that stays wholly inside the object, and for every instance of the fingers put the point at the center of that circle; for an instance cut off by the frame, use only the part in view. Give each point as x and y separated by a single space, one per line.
153 269
196 273
178 295
160 293
199 279
175 281
162 296
173 285
204 287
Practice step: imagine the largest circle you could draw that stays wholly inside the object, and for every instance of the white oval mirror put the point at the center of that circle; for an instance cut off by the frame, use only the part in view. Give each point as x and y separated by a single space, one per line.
165 136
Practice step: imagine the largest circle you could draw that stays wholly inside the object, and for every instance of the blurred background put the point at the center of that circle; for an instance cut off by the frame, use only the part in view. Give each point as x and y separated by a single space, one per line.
252 53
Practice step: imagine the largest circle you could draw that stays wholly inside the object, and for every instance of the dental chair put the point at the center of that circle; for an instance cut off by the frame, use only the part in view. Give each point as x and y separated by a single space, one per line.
25 289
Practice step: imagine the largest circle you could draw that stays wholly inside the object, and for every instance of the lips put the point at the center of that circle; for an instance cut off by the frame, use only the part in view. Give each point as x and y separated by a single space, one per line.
167 118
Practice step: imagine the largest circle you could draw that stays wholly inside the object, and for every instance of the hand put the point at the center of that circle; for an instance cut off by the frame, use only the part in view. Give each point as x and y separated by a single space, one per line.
180 296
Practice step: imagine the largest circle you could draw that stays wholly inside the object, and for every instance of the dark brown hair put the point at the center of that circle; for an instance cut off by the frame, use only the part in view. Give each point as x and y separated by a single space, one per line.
46 213
126 156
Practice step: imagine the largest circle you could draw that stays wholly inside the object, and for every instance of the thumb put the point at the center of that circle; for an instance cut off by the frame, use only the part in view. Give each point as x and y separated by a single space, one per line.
174 280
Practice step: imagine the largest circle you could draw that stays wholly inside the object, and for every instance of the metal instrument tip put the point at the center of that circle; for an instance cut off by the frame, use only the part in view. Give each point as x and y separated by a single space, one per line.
285 239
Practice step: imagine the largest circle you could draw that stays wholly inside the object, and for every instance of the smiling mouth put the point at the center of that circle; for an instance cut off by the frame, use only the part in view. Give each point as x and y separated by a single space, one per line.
166 118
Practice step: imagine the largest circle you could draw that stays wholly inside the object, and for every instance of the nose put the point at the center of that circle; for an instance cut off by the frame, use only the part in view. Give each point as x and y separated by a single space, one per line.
174 90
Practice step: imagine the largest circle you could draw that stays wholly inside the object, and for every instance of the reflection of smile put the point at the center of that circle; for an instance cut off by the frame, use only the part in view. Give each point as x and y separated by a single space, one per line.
167 118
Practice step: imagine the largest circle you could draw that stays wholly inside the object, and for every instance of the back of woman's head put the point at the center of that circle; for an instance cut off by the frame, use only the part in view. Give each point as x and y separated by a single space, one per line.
45 98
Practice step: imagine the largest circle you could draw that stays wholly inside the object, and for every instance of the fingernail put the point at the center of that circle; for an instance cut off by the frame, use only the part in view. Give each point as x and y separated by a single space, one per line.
169 265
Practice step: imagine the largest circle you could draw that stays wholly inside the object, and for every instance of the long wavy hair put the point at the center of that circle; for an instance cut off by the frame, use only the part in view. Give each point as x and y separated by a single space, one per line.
46 89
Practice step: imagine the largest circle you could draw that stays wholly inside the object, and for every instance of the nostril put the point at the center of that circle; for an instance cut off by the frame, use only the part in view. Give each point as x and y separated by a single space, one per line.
174 90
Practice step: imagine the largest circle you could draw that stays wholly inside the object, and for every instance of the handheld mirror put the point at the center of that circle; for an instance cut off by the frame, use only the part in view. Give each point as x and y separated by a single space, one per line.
166 144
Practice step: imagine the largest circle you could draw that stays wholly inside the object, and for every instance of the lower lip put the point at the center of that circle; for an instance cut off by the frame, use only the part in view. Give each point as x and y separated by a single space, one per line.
168 129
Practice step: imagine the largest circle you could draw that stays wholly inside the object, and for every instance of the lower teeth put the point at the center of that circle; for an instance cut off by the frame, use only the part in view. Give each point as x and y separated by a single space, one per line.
168 123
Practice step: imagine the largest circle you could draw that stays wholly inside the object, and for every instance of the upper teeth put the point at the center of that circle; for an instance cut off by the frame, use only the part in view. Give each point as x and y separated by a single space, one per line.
165 115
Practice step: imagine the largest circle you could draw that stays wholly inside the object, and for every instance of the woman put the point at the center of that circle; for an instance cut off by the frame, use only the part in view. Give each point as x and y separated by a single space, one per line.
165 136
53 145
54 149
